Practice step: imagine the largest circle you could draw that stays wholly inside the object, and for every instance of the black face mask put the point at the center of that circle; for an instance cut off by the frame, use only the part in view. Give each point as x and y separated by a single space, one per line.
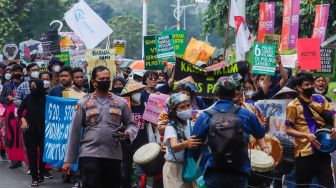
308 92
103 85
17 76
117 90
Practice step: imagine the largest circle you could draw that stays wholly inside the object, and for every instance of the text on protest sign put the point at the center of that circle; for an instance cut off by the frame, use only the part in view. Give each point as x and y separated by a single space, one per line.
50 43
101 57
151 60
155 105
164 46
263 61
179 41
58 124
198 51
327 61
64 57
289 61
308 50
206 79
273 39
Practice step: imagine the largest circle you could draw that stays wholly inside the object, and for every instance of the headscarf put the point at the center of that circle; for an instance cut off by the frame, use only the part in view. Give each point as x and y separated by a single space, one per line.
175 99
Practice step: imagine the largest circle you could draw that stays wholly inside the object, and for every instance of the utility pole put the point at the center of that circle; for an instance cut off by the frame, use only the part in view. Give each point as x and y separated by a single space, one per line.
144 25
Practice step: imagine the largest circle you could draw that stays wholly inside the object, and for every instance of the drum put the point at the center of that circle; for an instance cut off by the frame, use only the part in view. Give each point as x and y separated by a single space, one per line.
150 158
328 145
274 146
288 157
261 166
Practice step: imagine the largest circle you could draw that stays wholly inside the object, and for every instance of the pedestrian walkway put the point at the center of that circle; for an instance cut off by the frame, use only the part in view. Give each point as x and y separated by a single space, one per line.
17 178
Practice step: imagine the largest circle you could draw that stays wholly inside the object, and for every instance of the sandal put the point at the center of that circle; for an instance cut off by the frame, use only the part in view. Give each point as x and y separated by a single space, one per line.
34 183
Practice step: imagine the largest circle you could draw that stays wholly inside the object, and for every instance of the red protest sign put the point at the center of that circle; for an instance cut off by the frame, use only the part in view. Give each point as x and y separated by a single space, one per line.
308 51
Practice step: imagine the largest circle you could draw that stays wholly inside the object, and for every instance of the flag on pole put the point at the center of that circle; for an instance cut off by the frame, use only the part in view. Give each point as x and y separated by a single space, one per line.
242 38
321 21
266 20
87 24
290 24
234 11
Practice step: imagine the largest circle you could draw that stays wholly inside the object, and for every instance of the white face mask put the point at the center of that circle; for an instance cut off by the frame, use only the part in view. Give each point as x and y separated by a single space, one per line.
320 92
249 93
136 97
34 74
8 76
184 115
57 68
46 84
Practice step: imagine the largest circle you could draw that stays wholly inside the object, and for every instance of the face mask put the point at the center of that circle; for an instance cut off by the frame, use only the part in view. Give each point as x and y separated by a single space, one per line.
34 74
136 97
184 115
46 84
26 78
152 86
8 76
117 90
17 76
249 93
57 68
308 92
103 85
320 92
158 85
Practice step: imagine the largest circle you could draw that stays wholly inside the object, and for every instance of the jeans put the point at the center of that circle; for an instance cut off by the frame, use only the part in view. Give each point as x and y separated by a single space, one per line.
225 180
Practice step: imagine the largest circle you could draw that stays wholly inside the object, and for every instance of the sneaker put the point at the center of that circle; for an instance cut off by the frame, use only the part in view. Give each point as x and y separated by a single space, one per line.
76 185
47 175
28 172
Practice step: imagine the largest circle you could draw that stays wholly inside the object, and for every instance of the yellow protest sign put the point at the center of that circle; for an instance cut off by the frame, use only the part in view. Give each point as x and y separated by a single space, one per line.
198 51
101 57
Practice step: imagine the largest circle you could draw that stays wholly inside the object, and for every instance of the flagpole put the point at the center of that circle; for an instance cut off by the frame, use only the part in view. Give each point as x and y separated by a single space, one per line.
227 30
144 25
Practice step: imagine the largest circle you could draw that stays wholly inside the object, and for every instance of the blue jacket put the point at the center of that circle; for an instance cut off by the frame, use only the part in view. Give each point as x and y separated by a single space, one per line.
250 124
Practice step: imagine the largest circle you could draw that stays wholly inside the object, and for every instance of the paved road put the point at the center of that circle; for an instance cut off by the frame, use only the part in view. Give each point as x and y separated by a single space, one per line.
17 178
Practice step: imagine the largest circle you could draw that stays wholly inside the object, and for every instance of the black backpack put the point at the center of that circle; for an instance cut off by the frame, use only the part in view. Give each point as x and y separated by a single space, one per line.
226 139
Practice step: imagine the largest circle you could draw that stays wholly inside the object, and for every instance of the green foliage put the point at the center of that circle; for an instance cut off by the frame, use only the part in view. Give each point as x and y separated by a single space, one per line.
129 28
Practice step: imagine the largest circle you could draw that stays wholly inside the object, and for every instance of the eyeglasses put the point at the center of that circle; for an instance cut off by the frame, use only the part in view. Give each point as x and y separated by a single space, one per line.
152 78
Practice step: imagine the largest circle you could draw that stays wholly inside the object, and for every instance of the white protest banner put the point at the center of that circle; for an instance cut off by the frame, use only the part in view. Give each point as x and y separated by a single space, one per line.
277 119
289 61
87 24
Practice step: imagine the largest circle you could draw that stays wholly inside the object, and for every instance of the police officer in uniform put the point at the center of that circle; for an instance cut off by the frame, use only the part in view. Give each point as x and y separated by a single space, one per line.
96 118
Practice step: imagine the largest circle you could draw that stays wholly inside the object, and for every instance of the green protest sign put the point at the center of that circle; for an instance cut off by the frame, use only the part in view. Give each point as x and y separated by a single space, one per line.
179 40
151 60
263 61
64 57
205 80
164 46
273 39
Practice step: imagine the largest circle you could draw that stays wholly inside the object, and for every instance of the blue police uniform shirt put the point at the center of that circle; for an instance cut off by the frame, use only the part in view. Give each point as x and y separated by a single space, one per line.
250 124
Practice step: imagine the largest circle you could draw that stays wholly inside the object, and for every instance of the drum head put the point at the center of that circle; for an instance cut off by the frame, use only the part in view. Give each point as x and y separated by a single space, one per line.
328 145
147 153
274 146
260 161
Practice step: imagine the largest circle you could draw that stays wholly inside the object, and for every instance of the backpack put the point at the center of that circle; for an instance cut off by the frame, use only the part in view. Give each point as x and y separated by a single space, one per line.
226 139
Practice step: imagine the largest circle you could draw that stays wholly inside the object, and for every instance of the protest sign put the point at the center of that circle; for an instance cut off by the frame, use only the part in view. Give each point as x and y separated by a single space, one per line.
321 21
179 40
272 39
198 51
104 57
290 24
327 61
155 105
29 50
58 117
71 41
50 43
266 20
64 57
289 61
216 66
206 79
14 138
119 46
308 50
278 119
164 46
10 53
151 60
87 24
264 57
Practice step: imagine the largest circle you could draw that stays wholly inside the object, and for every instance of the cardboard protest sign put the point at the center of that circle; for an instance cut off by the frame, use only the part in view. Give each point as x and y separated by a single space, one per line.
277 120
289 61
264 57
50 43
155 105
179 40
272 39
14 138
164 46
58 125
308 50
206 79
64 57
327 61
151 60
104 57
198 51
